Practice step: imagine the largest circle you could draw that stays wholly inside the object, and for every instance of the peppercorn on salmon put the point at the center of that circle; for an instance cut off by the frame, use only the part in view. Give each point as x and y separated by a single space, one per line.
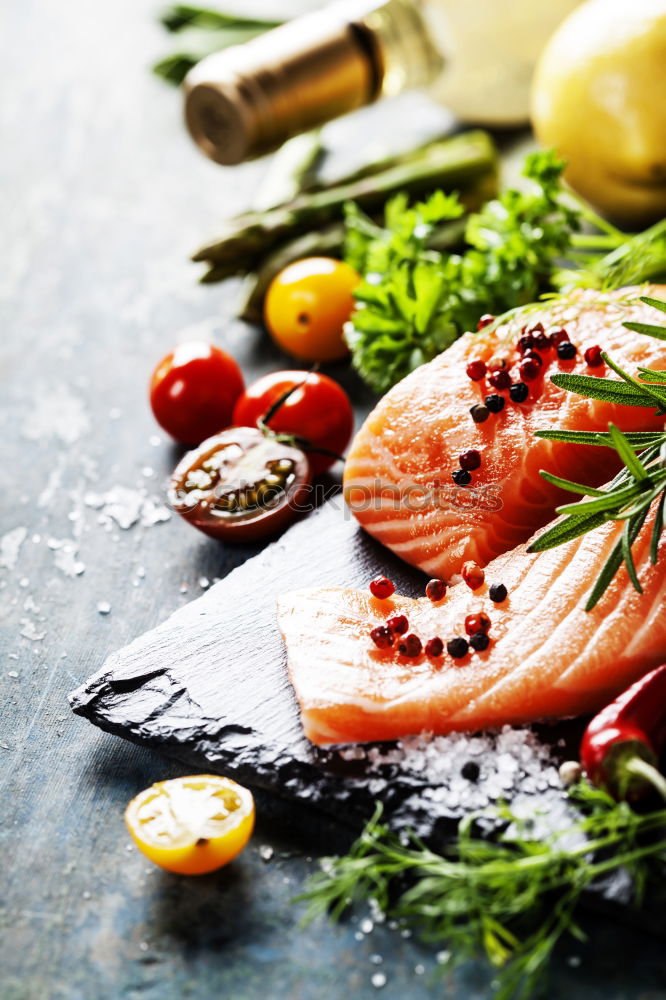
547 657
399 475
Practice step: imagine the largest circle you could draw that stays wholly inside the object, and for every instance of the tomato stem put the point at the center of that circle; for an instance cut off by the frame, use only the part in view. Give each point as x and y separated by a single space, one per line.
293 439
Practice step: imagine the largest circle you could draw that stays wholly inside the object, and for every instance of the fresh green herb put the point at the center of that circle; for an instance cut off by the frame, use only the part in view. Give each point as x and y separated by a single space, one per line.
641 482
416 300
202 31
633 260
512 897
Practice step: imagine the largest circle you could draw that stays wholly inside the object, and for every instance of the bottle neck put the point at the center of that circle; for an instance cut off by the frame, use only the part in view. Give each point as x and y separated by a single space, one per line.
247 100
405 50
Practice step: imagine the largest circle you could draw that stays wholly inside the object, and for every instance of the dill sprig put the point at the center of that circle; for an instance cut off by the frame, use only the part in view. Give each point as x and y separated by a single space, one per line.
512 897
639 484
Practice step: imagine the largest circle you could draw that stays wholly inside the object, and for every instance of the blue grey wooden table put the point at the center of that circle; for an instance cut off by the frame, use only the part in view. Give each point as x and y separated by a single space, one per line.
102 199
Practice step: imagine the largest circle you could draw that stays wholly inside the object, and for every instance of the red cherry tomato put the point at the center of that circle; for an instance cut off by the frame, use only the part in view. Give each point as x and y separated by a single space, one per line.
193 391
319 411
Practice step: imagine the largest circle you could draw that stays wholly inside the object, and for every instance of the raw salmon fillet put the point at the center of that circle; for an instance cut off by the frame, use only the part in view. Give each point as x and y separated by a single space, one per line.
398 472
547 657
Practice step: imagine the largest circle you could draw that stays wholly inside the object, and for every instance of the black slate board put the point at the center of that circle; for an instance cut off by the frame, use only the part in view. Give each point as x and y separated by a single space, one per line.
210 686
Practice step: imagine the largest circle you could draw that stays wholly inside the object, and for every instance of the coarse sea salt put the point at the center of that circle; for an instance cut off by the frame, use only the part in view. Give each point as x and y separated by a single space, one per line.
65 552
509 763
56 413
126 507
10 546
30 631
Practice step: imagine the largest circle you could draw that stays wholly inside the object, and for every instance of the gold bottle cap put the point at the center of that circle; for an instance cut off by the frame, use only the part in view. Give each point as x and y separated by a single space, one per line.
247 100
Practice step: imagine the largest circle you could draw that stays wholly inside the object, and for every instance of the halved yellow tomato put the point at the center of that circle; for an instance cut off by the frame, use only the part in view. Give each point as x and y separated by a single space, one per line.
191 825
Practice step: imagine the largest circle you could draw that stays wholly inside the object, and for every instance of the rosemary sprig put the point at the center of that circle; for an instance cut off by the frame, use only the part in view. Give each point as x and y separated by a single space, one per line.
513 897
630 495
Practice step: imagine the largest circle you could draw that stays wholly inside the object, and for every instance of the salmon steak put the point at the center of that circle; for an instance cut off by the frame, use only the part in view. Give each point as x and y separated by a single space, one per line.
399 473
547 657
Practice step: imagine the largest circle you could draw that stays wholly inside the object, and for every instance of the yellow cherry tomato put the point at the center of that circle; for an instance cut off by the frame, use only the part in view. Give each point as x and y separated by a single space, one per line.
307 305
191 825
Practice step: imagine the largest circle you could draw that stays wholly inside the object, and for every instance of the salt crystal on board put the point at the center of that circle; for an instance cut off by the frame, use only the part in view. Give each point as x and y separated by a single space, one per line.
30 631
10 545
56 413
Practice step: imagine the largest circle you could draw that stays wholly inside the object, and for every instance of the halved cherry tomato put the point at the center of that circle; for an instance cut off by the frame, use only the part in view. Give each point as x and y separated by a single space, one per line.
240 485
191 825
193 391
319 411
307 305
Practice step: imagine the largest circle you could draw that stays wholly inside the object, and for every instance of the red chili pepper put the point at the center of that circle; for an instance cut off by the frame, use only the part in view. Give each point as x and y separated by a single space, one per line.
622 745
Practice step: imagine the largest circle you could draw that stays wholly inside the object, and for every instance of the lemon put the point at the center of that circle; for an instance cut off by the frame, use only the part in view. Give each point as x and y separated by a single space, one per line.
599 97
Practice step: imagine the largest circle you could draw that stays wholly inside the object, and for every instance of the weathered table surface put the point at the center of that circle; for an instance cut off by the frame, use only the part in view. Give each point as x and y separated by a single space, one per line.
102 197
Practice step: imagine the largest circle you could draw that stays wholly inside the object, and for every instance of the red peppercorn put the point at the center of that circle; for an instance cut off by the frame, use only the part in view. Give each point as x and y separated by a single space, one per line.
528 370
434 647
593 356
473 575
410 645
476 370
382 637
381 588
557 336
435 590
485 320
536 358
536 328
397 625
479 622
470 460
542 342
500 380
525 343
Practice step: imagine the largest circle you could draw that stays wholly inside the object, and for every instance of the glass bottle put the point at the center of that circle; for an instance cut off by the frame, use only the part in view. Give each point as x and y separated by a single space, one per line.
475 56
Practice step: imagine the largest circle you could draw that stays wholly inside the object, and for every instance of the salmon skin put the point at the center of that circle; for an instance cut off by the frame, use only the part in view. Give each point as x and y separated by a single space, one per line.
398 475
547 658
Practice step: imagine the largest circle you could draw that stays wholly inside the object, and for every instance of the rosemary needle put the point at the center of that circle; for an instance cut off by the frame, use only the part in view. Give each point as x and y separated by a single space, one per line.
641 482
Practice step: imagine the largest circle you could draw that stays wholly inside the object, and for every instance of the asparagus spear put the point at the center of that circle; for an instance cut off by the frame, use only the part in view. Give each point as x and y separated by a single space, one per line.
329 242
461 163
290 171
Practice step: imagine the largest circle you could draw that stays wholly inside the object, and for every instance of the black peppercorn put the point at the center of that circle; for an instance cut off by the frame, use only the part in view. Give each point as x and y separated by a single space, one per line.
461 477
519 392
479 641
470 770
494 402
458 647
497 592
480 413
566 350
